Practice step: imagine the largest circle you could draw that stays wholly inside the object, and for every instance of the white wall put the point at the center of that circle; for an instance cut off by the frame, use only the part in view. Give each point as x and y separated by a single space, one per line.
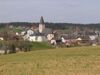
37 38
32 38
30 32
41 27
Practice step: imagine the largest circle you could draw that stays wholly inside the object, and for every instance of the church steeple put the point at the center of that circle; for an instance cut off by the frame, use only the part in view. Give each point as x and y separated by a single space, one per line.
41 20
41 25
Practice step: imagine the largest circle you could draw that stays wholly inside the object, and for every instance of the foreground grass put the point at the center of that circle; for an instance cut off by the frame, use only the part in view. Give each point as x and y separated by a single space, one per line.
65 61
40 46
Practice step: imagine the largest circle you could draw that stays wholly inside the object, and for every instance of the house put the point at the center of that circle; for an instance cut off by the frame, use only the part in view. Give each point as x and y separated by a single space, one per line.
93 38
37 37
30 32
26 34
50 36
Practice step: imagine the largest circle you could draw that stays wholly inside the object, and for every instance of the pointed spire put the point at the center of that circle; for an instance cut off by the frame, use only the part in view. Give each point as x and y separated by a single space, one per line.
41 20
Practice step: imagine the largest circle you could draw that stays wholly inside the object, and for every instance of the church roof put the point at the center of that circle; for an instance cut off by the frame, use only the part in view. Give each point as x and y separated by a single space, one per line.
41 20
37 34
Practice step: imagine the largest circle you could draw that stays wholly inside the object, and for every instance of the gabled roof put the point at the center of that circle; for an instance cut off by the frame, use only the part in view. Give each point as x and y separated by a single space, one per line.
37 34
47 31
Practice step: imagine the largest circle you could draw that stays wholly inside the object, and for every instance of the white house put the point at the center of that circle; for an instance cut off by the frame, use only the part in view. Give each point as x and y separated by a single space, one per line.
32 38
92 37
37 38
50 36
63 39
93 40
30 32
41 39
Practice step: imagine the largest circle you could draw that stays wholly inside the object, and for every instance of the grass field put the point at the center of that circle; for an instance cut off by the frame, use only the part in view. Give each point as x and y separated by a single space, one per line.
65 61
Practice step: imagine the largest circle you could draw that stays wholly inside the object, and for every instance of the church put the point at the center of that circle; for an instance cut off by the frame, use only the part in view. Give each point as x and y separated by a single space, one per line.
40 35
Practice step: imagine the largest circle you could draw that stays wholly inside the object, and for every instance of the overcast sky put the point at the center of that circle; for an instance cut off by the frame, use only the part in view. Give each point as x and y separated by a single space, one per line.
71 11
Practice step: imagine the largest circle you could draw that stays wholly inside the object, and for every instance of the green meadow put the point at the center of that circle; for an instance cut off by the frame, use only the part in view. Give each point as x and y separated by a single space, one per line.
59 61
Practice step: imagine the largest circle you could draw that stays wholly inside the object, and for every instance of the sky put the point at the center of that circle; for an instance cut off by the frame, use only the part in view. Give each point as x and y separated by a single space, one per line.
67 11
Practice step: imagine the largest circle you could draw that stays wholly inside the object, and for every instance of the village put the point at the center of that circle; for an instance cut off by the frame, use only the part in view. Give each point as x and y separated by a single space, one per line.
49 37
55 38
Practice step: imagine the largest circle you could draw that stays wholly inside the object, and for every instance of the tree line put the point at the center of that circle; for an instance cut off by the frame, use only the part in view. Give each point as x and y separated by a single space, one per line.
52 25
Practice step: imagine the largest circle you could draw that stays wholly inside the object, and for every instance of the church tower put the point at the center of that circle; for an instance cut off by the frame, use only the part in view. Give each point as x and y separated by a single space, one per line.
41 25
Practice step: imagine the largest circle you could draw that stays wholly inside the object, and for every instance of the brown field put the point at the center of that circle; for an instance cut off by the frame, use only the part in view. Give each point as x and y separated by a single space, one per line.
63 61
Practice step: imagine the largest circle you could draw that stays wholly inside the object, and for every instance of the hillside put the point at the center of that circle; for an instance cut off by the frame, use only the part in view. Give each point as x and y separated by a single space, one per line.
65 61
